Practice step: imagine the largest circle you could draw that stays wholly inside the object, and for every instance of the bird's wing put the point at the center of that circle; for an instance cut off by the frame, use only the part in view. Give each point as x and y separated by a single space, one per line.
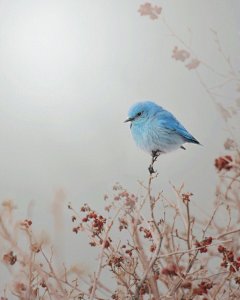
167 120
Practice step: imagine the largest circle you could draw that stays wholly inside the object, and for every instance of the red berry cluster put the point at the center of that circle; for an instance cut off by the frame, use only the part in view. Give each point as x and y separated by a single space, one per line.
129 252
75 229
144 289
26 223
92 244
207 241
10 258
202 288
98 221
170 270
116 261
43 284
107 208
107 244
130 199
98 225
130 202
185 197
152 248
147 232
228 259
125 194
237 280
223 163
221 249
123 224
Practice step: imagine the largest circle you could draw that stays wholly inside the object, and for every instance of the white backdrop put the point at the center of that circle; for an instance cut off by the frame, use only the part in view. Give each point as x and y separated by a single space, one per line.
69 72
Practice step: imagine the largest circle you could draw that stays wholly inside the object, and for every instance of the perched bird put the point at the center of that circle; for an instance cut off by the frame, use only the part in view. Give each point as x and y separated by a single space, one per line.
155 130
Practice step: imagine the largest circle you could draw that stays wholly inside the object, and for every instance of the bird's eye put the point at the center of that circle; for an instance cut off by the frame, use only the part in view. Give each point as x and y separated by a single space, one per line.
139 114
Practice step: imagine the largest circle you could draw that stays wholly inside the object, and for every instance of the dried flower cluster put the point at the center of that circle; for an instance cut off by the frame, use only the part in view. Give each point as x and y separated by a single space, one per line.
148 9
223 163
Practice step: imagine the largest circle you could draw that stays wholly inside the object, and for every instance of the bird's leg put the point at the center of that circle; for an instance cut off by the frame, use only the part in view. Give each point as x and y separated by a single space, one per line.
150 169
155 155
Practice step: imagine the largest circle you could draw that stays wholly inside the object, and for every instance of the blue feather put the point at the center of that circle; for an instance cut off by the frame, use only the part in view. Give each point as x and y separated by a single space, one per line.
167 120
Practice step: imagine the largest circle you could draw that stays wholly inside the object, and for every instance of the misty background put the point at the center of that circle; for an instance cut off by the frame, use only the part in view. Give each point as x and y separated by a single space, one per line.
70 71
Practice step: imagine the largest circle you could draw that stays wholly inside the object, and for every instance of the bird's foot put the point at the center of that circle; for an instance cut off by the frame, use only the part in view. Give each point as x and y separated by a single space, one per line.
151 170
155 154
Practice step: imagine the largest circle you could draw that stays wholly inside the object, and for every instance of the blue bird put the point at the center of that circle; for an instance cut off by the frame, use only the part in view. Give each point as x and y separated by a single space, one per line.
155 130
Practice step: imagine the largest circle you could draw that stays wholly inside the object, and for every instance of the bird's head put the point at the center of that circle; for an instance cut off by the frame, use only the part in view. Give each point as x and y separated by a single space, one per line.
140 112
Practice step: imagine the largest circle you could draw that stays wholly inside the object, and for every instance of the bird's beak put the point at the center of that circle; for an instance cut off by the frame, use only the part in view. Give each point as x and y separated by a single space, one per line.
129 120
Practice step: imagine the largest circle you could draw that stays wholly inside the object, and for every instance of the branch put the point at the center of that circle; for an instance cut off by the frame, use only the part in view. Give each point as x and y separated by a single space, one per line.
230 232
153 260
178 284
179 208
194 249
102 247
231 182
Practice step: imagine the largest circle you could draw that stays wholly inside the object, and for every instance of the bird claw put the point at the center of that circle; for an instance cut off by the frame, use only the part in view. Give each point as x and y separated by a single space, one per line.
155 155
151 170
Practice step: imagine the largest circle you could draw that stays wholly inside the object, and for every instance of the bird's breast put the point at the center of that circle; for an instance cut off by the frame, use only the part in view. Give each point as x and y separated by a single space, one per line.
142 136
150 136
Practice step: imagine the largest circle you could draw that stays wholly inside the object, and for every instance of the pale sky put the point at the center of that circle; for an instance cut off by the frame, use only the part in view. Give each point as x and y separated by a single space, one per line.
70 71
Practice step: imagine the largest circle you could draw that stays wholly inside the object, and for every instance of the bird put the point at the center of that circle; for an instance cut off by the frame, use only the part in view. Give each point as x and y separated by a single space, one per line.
156 131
